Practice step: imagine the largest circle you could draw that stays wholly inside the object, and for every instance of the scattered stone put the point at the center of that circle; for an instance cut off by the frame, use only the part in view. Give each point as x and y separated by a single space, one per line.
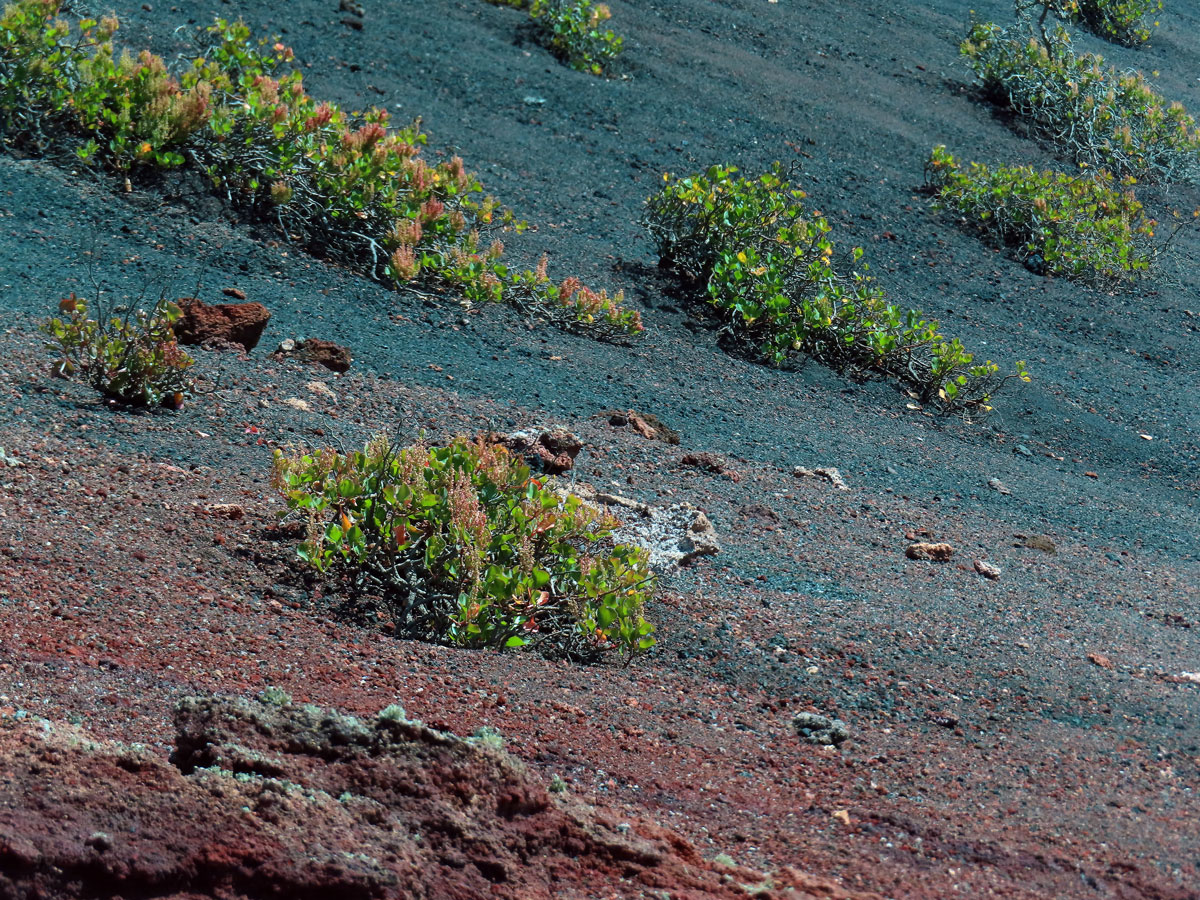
1100 660
1173 619
550 450
986 569
332 356
842 815
673 535
1022 450
1037 542
710 462
235 293
760 512
945 719
353 7
997 485
936 552
645 424
230 511
9 462
533 100
297 403
818 729
230 323
321 389
1193 677
99 840
1091 475
833 476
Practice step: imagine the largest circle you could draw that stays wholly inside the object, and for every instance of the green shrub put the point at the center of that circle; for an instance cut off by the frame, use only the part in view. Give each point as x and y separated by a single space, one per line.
574 31
1088 228
347 186
1100 117
768 264
132 358
1123 22
460 544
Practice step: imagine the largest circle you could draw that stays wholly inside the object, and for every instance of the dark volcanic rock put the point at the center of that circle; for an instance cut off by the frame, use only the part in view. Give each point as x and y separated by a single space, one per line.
332 356
546 450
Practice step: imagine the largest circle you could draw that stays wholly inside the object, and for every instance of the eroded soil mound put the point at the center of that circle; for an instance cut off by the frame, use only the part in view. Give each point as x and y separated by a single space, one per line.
270 799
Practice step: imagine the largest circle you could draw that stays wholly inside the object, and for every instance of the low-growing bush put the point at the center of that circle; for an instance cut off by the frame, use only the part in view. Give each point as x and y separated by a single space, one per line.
575 31
1089 228
347 186
460 544
768 265
1125 22
1099 116
131 357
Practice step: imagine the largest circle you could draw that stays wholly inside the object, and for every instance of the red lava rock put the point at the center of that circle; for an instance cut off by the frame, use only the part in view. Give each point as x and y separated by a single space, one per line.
936 552
332 356
232 323
235 293
231 511
323 804
1101 660
710 462
645 424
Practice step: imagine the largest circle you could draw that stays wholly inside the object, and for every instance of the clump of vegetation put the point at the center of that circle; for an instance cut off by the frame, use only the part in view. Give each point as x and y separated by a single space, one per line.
1125 22
766 262
1089 228
575 31
460 544
1099 116
348 186
132 358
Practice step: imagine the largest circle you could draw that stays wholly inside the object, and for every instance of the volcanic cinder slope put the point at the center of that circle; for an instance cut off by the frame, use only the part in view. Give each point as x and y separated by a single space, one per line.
1025 737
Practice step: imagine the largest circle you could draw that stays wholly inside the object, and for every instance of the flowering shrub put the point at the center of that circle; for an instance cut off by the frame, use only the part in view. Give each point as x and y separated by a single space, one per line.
1120 21
460 544
348 186
132 358
1088 228
1099 116
768 264
574 30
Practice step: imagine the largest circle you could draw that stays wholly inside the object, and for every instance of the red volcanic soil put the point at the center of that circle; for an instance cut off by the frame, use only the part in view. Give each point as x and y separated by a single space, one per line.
1029 736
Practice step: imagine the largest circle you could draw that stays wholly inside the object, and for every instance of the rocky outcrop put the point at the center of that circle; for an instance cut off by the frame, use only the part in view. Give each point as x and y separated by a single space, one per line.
673 535
266 798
